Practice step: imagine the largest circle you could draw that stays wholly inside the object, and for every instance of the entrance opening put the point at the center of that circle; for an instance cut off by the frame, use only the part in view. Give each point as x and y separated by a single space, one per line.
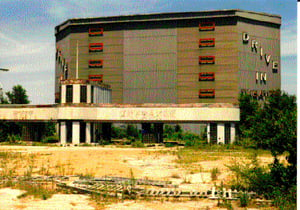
227 133
82 132
213 133
69 131
69 94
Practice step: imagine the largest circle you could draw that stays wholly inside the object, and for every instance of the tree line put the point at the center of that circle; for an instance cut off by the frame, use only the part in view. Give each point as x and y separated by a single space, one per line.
271 125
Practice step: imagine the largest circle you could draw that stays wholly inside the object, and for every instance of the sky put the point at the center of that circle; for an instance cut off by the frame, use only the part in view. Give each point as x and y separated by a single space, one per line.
27 41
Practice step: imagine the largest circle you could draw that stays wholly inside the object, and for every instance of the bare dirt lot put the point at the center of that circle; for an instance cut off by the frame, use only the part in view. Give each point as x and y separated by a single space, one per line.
189 168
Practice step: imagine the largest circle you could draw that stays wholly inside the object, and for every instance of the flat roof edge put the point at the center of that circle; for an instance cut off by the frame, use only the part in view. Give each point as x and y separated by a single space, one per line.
118 105
172 15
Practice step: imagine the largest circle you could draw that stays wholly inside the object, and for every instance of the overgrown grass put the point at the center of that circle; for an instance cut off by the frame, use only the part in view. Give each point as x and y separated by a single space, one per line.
137 144
100 201
10 162
36 190
213 153
214 174
250 175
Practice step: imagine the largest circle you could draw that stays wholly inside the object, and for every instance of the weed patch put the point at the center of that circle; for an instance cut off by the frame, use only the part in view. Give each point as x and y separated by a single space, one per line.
36 190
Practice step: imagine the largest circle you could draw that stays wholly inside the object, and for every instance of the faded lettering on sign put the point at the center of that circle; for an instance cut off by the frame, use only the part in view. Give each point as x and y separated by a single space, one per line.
23 115
145 114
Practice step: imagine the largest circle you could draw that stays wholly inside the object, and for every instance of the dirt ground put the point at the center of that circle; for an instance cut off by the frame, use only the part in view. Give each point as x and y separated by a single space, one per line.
152 163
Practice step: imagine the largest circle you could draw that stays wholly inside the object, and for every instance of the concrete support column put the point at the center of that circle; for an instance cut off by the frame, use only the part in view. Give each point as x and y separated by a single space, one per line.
208 133
76 93
232 132
63 94
221 133
57 127
88 133
88 94
75 132
63 132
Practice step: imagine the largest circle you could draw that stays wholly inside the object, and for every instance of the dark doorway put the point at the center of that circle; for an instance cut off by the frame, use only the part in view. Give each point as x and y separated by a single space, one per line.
92 132
106 131
69 131
82 132
227 133
213 133
158 131
69 94
83 94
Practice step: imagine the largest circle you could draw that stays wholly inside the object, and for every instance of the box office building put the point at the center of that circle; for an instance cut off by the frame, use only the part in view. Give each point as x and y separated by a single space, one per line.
188 57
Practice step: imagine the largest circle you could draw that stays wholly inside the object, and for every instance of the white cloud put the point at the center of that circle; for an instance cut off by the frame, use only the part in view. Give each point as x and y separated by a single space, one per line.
289 39
25 56
290 88
62 10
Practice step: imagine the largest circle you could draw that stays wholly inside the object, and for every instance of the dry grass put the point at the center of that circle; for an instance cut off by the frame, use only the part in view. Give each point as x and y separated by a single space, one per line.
99 161
187 156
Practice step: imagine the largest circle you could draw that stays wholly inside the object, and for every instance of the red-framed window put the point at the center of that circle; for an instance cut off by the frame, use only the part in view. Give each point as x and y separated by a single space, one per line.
96 47
207 26
207 93
95 63
207 59
208 42
96 77
96 31
207 76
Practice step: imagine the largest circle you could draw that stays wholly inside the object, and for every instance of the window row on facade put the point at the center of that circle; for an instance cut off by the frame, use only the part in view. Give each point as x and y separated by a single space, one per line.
96 47
207 26
207 93
97 31
204 60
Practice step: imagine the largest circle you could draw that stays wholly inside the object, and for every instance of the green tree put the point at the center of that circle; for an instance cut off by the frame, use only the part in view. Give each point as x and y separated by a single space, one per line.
248 109
132 131
274 129
17 95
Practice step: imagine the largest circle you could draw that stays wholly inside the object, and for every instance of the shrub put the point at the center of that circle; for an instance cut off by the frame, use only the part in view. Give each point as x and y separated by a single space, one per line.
118 133
168 131
246 143
176 136
286 200
244 199
252 177
137 144
86 145
214 174
13 138
132 132
169 144
38 191
192 140
37 144
50 139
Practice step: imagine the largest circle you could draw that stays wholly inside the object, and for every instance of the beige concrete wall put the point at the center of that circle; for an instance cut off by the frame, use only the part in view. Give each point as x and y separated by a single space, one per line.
112 56
150 58
161 65
250 61
122 114
64 47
